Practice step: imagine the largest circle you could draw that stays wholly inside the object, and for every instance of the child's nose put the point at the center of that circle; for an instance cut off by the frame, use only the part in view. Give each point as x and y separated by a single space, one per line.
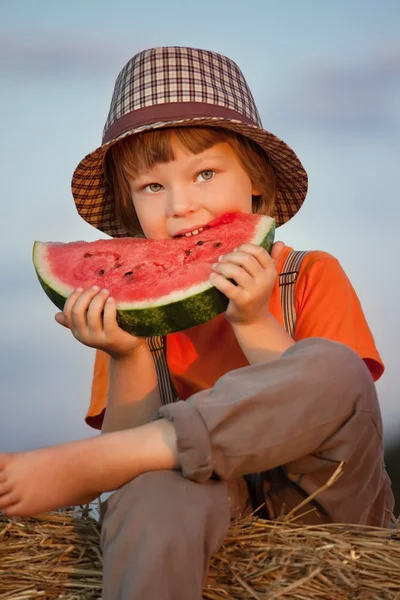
181 202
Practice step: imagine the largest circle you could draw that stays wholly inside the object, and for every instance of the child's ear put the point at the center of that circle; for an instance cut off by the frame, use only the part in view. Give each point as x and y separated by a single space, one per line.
255 190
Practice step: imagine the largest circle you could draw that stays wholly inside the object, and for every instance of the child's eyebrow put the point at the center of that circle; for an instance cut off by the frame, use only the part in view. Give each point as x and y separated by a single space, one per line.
206 155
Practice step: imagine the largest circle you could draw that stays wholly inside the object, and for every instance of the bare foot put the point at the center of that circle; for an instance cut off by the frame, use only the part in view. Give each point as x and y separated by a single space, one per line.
77 472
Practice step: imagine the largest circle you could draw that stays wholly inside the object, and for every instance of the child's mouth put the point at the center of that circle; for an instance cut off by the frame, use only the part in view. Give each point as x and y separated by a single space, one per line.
192 232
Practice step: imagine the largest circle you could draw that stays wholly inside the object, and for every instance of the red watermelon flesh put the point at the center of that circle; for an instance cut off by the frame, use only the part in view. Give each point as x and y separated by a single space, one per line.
146 274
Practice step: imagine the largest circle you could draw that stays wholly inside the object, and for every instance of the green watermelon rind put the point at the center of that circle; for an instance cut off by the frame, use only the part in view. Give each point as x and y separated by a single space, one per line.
163 319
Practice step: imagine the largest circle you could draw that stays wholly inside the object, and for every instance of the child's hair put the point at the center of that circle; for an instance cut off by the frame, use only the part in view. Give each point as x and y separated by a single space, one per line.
141 152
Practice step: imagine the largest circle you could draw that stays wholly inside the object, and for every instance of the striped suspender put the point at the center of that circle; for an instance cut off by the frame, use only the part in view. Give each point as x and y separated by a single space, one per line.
167 391
287 280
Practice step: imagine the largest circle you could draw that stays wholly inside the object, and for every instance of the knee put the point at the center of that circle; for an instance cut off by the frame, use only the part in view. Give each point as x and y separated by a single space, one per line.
337 372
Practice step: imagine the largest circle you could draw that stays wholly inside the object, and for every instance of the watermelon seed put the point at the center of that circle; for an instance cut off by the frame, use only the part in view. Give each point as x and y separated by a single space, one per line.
200 243
87 255
217 244
101 272
187 252
117 266
129 273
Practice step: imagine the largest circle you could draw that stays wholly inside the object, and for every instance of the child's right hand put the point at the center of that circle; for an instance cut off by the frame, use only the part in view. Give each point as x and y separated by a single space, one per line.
91 317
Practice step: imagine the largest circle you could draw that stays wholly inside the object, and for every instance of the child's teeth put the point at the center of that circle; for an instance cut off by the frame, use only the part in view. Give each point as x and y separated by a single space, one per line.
194 232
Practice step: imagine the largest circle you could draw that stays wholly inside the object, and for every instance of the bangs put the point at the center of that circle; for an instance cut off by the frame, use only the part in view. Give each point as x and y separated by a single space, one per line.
139 153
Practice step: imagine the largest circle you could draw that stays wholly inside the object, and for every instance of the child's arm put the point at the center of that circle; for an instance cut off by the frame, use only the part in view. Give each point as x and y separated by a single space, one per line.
134 396
262 341
252 272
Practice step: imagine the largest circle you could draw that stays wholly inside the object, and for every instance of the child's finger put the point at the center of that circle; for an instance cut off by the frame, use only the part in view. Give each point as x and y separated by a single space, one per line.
231 291
70 302
94 315
276 252
258 252
109 316
245 260
77 313
61 320
233 271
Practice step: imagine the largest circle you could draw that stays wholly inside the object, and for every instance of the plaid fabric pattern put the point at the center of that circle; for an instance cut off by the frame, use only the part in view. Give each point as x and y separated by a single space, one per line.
203 88
165 75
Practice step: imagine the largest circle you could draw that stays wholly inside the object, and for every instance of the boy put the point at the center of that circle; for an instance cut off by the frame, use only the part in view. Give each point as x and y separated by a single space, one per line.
261 417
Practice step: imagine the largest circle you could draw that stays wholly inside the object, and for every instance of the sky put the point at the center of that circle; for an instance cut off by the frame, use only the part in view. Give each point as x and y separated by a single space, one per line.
326 79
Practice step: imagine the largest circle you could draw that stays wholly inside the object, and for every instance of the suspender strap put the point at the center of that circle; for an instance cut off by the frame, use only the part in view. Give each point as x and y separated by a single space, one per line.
287 280
157 348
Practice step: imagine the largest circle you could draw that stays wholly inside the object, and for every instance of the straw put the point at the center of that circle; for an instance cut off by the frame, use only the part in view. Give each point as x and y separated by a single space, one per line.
57 556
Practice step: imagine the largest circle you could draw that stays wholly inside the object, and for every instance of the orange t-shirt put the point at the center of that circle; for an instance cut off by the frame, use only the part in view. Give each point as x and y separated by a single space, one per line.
326 306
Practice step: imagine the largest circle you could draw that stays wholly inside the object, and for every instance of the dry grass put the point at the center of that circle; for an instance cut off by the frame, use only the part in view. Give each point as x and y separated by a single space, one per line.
268 560
57 556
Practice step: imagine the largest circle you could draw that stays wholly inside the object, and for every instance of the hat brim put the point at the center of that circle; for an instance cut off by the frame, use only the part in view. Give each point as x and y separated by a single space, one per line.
96 206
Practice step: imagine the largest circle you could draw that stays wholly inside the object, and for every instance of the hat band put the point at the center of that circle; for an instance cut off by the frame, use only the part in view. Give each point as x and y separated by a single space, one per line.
171 111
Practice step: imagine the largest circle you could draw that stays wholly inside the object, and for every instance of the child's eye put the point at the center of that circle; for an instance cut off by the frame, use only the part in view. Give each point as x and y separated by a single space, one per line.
206 175
153 187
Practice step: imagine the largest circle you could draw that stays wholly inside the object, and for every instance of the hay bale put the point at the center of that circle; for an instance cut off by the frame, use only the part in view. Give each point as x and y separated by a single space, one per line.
272 559
57 556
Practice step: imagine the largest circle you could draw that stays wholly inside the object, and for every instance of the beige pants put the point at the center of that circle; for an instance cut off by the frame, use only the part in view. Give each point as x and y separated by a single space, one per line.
273 432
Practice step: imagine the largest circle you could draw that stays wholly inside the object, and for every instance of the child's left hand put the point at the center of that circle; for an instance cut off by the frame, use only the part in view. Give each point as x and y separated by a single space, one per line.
254 272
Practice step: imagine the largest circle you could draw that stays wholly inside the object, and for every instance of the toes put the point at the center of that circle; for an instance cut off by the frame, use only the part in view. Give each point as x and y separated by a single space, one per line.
15 508
4 459
5 488
7 500
11 510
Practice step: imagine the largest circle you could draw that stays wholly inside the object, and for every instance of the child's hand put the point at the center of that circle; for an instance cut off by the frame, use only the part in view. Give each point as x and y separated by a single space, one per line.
91 317
254 272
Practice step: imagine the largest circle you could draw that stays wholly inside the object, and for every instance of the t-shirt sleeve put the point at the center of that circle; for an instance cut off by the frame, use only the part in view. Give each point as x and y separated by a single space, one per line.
327 306
99 395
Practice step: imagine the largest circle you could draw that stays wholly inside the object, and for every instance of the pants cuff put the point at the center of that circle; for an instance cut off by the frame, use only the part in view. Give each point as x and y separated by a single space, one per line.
193 440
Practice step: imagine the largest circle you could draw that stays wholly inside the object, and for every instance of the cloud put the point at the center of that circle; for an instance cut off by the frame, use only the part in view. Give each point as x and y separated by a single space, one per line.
72 54
358 96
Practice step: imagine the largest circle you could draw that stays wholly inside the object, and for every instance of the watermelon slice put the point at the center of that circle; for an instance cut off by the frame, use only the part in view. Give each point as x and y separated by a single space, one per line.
160 286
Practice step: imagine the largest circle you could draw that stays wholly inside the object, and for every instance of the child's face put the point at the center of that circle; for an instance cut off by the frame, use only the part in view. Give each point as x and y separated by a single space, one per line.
190 191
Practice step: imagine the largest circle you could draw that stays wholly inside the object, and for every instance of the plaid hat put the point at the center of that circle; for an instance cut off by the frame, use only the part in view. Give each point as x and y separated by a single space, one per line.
171 87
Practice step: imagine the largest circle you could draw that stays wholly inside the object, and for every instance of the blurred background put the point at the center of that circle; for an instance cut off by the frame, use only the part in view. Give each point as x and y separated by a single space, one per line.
326 79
